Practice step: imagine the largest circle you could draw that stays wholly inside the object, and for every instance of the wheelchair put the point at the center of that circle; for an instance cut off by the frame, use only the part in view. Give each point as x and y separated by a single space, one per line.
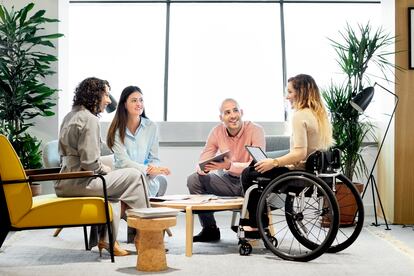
302 214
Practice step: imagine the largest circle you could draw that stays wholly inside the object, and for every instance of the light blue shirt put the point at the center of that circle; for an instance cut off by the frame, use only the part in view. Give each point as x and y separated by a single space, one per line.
138 150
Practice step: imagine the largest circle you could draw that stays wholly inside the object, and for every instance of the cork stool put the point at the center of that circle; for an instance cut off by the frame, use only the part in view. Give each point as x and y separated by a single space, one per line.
150 241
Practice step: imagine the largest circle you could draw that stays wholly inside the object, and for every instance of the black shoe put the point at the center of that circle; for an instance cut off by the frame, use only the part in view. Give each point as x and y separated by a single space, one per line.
208 234
247 234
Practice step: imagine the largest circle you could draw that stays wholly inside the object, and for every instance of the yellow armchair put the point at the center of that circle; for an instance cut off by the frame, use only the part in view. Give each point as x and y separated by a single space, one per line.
20 211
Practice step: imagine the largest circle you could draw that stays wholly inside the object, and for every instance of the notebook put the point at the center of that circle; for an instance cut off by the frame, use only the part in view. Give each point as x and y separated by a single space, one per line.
217 158
158 212
256 152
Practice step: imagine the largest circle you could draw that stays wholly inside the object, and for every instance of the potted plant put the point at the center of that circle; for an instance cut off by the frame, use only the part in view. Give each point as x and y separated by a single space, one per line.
355 53
24 65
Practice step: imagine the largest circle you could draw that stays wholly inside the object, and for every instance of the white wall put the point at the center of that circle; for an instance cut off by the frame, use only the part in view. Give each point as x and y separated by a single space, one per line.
182 162
386 163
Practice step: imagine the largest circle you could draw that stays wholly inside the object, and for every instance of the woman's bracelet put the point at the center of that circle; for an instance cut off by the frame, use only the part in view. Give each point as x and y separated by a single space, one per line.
275 163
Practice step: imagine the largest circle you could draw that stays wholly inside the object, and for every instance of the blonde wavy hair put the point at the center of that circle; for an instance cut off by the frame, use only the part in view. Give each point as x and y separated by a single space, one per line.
308 96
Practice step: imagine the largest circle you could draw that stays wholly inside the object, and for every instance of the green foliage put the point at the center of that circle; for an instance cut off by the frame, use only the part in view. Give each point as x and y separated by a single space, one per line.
23 67
28 148
355 52
348 131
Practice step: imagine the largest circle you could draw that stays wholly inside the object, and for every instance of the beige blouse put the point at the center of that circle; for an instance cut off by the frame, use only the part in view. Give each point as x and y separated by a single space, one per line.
80 145
305 133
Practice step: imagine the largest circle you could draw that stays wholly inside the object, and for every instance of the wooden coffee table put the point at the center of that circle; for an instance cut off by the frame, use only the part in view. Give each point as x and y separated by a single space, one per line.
190 207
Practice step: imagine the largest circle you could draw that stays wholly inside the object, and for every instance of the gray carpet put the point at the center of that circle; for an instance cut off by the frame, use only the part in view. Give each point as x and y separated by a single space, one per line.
37 252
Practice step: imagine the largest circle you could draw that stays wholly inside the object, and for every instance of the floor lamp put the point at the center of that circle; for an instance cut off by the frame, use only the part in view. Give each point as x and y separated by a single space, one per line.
360 102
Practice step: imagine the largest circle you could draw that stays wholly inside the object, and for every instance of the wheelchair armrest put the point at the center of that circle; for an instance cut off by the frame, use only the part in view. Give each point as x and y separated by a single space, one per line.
261 179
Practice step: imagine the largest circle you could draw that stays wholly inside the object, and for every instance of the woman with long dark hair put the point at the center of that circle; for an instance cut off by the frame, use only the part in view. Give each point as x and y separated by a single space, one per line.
134 140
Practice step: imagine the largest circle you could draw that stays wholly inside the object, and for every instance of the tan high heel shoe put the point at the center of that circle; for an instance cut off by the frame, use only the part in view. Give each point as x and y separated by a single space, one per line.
118 251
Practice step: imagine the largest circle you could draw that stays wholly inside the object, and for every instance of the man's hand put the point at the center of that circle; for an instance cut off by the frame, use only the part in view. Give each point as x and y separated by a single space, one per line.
224 165
264 165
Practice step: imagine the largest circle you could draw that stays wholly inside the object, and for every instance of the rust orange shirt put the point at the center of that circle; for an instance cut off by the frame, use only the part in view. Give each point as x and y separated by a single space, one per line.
220 141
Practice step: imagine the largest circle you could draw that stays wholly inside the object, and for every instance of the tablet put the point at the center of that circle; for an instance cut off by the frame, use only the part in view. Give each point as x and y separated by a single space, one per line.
256 152
217 158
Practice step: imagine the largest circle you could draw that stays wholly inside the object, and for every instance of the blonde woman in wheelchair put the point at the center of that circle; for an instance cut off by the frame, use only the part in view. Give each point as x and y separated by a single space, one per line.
311 131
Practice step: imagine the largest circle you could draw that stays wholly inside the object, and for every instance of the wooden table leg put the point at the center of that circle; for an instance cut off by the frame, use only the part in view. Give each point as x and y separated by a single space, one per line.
57 232
271 228
189 229
168 231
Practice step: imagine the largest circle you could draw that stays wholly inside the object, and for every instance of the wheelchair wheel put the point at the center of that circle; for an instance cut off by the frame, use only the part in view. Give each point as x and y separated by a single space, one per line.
273 241
351 214
245 248
300 212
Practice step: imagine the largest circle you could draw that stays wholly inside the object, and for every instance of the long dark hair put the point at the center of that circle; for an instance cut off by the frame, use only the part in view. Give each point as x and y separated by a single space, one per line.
121 116
89 94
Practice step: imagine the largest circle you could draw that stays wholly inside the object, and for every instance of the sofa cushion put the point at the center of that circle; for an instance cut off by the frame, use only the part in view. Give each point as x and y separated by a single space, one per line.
51 158
276 153
50 155
277 143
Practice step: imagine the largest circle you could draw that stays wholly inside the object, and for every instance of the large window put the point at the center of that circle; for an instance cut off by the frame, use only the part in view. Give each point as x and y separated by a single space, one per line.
188 57
122 43
225 50
308 48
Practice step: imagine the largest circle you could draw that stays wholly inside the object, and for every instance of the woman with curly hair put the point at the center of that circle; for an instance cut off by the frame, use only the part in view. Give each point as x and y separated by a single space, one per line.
311 131
79 149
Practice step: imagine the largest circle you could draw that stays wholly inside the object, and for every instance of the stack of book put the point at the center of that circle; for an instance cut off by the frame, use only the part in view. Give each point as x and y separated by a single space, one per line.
158 212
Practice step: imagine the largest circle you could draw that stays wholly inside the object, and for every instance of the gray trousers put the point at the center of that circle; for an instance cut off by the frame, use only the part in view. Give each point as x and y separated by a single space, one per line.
162 180
126 185
217 183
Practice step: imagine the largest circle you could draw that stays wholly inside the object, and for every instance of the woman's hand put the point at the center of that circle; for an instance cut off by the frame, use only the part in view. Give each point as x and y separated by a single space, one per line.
153 170
264 165
164 170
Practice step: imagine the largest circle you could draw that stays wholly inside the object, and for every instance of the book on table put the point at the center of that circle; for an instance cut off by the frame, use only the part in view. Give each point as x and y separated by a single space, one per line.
169 198
183 199
157 212
195 199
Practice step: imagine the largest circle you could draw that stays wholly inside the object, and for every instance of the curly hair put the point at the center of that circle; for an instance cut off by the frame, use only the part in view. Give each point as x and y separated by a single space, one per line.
89 94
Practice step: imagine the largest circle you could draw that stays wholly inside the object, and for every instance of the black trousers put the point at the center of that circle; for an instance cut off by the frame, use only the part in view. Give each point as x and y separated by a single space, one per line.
247 177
